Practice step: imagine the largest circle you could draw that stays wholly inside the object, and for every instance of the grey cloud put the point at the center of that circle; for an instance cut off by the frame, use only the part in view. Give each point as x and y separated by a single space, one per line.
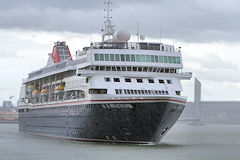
8 54
195 21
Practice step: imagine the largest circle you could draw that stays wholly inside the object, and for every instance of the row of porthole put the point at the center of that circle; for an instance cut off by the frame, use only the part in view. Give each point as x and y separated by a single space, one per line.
139 80
141 92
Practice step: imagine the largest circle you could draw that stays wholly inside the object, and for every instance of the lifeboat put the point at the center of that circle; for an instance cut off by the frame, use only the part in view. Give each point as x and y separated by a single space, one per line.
45 90
59 88
31 86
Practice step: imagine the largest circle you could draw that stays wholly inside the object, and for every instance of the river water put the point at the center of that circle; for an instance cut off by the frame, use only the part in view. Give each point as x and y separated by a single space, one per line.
183 142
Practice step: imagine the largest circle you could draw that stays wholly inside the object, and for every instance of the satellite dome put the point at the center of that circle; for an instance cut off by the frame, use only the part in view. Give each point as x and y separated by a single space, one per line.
121 36
142 37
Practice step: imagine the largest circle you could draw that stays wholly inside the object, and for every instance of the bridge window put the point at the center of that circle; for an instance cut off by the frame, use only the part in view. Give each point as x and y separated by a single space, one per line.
96 56
138 58
106 57
178 60
169 59
156 59
165 59
117 58
122 57
132 58
101 57
111 57
127 57
174 60
161 59
147 58
143 59
152 58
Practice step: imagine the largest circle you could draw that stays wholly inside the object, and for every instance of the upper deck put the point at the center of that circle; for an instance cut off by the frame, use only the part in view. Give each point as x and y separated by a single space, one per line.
133 46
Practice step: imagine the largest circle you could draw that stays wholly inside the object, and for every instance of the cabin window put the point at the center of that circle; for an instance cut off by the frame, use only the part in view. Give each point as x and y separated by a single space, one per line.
166 70
107 79
152 58
139 92
129 69
96 56
147 58
117 58
150 80
145 69
132 92
150 69
122 57
106 57
161 81
161 59
135 91
101 57
123 68
140 69
128 80
134 69
97 91
169 81
102 68
128 91
111 57
125 91
143 58
116 79
113 68
132 58
138 58
116 90
118 68
139 81
178 93
127 57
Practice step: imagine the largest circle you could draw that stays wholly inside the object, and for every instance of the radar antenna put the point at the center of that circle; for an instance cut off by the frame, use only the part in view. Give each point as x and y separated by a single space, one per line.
109 27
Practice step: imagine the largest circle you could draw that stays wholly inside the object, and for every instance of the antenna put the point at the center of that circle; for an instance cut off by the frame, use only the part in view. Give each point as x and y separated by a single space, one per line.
137 32
109 27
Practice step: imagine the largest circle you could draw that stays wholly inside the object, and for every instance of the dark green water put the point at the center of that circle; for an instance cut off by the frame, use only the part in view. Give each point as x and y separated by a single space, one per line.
183 142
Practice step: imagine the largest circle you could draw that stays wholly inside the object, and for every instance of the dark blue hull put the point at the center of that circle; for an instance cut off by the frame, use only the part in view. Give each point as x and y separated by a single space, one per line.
118 122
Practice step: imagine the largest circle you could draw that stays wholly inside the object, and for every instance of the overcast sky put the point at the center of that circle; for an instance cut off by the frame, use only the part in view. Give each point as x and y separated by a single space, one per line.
207 31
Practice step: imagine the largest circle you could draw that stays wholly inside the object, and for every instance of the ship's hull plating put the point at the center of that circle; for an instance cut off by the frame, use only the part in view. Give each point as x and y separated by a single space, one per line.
144 122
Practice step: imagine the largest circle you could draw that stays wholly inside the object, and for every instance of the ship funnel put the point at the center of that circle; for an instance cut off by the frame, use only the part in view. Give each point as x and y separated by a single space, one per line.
121 36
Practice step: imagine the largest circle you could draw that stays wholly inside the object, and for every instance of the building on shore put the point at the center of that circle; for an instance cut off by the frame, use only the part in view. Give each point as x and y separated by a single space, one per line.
211 112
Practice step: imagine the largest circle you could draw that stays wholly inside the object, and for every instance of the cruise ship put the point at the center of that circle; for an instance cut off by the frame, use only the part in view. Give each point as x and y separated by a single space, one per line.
114 91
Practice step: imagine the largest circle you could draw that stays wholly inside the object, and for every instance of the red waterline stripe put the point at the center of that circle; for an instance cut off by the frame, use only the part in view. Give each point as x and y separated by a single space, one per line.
113 100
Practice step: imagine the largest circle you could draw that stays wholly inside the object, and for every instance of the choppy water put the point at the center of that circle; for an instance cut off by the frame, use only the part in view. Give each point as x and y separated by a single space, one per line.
183 142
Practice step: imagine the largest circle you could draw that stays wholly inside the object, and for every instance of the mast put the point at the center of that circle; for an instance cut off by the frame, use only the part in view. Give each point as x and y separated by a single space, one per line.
109 27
